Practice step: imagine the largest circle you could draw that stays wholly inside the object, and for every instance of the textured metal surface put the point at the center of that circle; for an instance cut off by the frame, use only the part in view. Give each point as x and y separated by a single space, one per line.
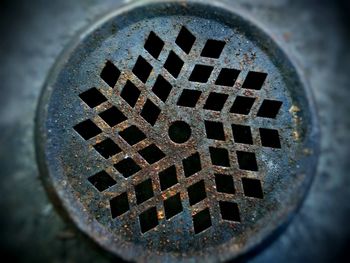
107 109
35 32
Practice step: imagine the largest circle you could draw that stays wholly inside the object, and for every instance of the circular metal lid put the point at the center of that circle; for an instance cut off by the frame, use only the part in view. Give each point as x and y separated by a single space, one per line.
176 131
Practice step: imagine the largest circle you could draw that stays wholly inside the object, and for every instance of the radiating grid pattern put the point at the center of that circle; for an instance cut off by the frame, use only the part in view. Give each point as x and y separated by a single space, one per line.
129 161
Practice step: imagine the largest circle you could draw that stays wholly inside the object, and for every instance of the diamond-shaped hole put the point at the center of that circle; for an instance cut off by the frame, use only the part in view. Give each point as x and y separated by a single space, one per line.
119 205
132 135
242 105
254 80
219 156
148 219
252 188
189 98
201 221
215 101
196 192
130 93
242 134
172 206
173 64
167 178
144 191
142 69
213 48
270 138
229 211
214 130
152 154
269 109
101 181
107 148
227 77
154 45
110 74
201 73
185 40
247 161
150 112
92 97
113 116
224 183
192 164
162 88
87 129
127 167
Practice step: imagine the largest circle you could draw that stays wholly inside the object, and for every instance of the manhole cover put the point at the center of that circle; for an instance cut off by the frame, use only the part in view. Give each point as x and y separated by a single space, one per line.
173 131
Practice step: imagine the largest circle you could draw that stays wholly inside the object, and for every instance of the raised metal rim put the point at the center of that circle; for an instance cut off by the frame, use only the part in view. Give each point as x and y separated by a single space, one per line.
89 226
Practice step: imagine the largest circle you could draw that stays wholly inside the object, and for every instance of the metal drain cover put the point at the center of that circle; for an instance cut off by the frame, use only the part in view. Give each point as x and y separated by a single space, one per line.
176 131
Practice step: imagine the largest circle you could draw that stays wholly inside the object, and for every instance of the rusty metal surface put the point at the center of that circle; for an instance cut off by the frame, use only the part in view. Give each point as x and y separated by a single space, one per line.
318 233
271 161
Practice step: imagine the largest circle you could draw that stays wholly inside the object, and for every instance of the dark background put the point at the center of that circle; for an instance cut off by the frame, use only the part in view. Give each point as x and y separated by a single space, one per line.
316 35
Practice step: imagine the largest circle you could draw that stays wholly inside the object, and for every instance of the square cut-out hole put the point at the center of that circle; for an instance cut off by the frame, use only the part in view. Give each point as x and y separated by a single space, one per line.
227 77
219 157
214 130
144 191
162 88
127 167
168 178
224 183
196 192
132 135
215 101
173 64
152 154
185 40
142 69
107 148
113 116
269 109
87 129
229 211
110 74
192 164
189 98
254 80
242 105
201 73
201 221
213 48
148 219
119 205
242 134
270 138
130 93
172 206
247 161
102 181
92 97
154 45
150 112
252 188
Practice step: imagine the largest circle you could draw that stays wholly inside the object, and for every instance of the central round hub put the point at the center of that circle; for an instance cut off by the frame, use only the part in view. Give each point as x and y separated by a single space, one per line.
179 132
